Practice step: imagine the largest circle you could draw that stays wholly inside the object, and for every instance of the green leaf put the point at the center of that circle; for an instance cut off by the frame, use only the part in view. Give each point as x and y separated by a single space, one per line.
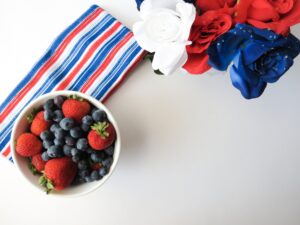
49 185
149 56
42 181
75 97
31 116
158 72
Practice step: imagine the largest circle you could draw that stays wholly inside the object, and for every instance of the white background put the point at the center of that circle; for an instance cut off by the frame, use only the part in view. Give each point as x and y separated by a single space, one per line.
194 151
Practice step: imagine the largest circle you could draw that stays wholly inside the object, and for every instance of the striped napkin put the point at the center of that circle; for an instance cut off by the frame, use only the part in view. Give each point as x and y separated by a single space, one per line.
93 55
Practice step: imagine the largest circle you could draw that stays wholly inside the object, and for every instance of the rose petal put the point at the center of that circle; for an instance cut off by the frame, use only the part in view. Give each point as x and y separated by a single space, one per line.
141 37
197 63
149 5
187 14
169 57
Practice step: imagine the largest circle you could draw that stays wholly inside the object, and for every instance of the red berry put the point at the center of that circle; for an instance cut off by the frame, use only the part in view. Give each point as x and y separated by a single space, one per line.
38 162
28 145
39 124
101 136
61 172
76 109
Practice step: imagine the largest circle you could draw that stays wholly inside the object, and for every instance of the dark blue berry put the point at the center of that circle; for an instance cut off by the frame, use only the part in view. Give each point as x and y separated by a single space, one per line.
67 123
99 116
49 105
95 175
59 133
107 162
76 158
110 150
74 151
86 128
47 144
70 141
59 100
82 165
48 115
88 179
67 150
76 132
58 141
96 157
82 144
46 135
54 127
103 171
90 151
88 120
58 115
54 151
45 156
84 173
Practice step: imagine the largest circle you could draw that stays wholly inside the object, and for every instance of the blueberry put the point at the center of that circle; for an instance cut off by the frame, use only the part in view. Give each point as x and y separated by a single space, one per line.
59 133
46 135
107 162
78 180
75 132
59 141
74 151
86 128
95 175
96 157
58 115
54 127
59 100
45 156
76 158
110 150
88 179
49 105
88 120
70 141
89 151
82 144
47 144
48 115
103 171
54 151
82 165
83 173
99 116
67 123
67 150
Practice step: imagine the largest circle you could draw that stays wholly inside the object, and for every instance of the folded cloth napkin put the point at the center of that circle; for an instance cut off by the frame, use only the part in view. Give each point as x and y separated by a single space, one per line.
93 55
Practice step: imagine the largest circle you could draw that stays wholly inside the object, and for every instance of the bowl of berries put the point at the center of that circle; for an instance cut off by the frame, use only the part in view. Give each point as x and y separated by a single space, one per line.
66 143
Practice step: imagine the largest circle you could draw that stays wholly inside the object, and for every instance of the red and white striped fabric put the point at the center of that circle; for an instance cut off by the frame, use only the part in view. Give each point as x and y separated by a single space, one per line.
93 55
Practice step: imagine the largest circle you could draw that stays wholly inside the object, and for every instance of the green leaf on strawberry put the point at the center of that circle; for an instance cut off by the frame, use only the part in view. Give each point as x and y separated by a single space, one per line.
46 183
31 116
75 97
100 128
31 167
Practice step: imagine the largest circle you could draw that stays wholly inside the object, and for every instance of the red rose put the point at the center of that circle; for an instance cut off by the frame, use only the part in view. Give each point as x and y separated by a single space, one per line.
206 29
277 15
205 5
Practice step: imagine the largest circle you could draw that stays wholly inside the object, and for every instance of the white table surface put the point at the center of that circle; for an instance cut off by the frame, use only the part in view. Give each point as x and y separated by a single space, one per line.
194 151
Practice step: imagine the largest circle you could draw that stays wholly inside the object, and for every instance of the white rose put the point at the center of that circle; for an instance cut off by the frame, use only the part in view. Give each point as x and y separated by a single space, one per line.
164 30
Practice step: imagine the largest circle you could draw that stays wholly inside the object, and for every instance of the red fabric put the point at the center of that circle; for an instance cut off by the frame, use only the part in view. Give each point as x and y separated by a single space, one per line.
277 15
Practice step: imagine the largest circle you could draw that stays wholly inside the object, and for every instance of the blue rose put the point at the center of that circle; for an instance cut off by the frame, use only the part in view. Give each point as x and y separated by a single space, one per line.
139 2
259 57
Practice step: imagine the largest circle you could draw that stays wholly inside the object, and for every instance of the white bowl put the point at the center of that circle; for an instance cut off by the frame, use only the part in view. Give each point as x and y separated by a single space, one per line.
21 126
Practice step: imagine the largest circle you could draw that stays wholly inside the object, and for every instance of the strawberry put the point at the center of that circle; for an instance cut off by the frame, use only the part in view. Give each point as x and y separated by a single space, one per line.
76 108
102 135
39 124
28 145
38 162
58 174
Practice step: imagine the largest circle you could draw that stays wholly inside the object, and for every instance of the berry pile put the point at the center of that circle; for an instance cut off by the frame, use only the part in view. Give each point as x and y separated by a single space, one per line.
70 142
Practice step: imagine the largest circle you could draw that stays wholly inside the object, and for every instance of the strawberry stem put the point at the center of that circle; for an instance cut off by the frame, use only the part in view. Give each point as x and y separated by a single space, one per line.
31 116
100 128
46 183
76 97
